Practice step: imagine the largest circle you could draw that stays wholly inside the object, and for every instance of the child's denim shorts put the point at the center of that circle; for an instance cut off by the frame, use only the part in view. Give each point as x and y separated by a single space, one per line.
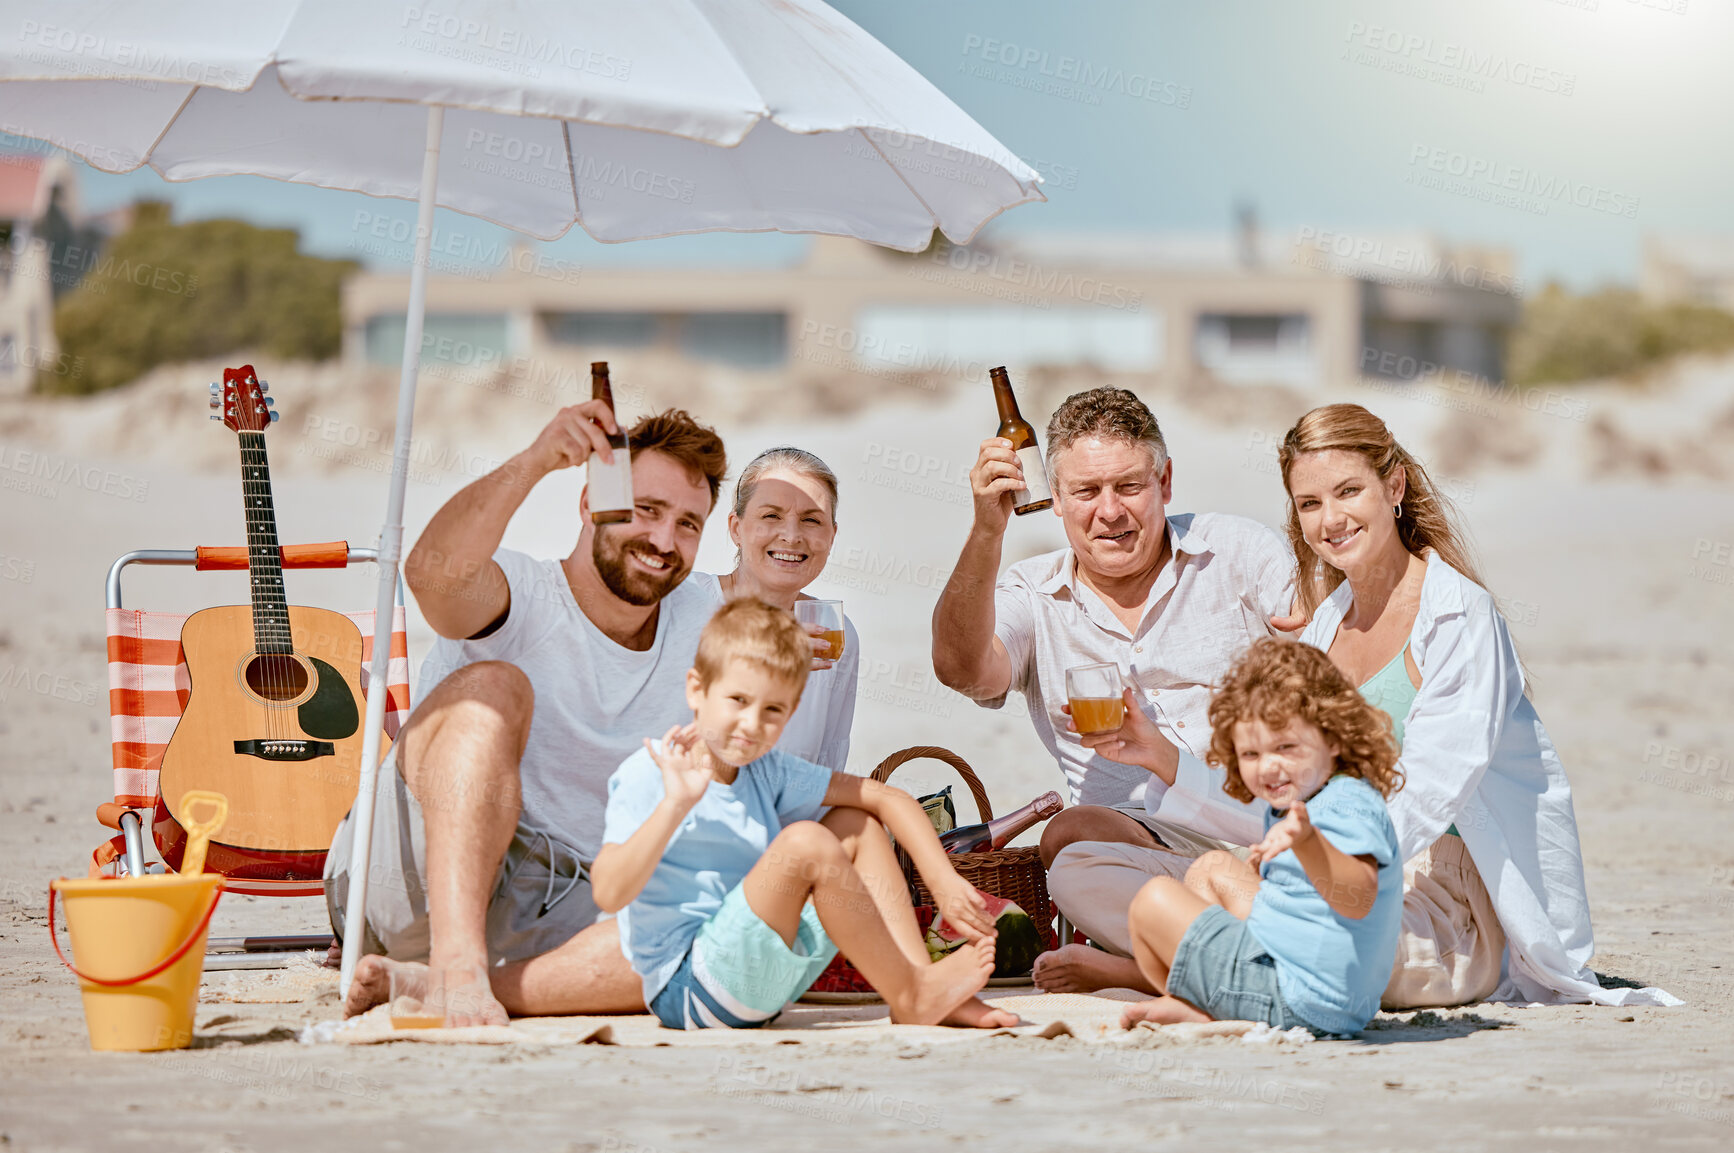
739 974
1221 968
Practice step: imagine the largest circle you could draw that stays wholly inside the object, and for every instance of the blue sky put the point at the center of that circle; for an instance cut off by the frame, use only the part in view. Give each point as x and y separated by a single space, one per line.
1349 115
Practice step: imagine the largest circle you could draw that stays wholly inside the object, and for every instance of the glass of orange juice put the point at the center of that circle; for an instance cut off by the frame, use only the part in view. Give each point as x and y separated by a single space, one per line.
418 998
1093 691
828 615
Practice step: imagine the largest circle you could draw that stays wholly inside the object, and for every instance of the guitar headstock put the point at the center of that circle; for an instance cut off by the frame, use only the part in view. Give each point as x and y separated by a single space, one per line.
241 402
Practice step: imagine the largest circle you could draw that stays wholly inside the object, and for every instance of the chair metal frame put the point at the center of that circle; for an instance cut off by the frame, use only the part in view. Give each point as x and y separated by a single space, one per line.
221 952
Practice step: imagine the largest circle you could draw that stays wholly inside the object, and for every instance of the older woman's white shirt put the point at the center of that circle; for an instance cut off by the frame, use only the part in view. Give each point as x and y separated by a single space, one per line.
1475 754
819 730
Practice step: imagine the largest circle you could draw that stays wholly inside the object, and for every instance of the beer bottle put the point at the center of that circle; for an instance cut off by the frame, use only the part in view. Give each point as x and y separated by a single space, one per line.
610 484
1035 495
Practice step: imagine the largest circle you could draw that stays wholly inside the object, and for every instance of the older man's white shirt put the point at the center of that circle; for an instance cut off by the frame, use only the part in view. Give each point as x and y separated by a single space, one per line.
1228 575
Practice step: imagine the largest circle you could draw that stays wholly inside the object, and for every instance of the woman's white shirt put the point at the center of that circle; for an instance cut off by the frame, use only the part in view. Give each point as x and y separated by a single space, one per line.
819 730
1475 755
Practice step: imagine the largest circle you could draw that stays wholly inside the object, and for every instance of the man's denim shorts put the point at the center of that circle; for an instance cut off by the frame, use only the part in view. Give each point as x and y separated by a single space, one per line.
1221 968
739 973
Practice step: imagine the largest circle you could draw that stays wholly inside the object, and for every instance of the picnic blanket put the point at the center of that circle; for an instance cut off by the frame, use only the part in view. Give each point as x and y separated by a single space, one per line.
1093 1018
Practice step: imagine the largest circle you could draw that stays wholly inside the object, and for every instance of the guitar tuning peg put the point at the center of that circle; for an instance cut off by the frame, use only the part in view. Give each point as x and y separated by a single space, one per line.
215 403
264 387
274 415
215 388
270 402
214 416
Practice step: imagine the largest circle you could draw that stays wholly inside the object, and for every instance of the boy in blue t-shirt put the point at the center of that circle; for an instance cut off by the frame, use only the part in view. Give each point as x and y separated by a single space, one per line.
731 886
1305 931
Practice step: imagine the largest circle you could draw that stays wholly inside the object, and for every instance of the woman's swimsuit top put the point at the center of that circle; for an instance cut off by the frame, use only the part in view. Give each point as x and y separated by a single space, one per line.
1391 690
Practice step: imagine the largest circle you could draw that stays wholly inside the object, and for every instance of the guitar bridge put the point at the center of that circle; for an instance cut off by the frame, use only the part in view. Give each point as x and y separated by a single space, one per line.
285 750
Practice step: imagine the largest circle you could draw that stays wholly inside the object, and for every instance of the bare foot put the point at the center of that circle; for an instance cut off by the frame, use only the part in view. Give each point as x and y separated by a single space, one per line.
470 998
1083 969
1162 1011
371 984
943 987
977 1014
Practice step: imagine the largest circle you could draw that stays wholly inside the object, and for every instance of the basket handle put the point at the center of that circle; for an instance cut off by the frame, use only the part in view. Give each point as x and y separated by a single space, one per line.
179 952
917 752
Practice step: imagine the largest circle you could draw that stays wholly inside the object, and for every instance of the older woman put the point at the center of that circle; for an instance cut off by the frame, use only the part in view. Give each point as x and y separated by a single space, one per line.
784 521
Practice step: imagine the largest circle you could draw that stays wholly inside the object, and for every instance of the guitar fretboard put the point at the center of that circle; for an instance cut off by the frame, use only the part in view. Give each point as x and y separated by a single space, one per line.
264 560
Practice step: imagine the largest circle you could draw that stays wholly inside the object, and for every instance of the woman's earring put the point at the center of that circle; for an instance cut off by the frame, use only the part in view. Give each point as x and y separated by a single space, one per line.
1397 511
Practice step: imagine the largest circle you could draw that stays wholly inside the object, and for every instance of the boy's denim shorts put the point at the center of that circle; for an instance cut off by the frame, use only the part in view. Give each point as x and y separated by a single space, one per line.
739 974
1221 968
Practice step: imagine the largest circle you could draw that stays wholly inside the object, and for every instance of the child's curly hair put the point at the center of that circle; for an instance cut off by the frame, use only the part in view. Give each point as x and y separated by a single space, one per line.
1275 682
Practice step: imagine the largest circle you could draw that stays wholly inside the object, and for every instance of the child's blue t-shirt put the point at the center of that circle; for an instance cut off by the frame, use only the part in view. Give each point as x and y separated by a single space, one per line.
711 852
1332 969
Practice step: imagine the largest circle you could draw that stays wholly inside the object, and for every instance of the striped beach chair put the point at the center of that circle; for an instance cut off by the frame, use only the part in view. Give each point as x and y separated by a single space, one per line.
149 688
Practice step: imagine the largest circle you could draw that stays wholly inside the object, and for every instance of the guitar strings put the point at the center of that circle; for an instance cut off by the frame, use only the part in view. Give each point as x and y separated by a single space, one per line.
249 488
252 547
265 583
275 605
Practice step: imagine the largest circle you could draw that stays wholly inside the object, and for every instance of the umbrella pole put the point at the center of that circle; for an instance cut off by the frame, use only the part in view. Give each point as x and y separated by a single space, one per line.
390 556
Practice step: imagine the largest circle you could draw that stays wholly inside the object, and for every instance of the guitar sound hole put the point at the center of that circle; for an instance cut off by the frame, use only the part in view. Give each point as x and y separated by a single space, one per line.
276 676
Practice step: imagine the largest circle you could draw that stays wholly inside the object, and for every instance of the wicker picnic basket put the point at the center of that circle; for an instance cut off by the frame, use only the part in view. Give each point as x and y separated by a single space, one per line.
1012 874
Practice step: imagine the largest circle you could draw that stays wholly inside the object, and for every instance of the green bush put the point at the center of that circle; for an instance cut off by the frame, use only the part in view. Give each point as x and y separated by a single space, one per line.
162 292
1613 332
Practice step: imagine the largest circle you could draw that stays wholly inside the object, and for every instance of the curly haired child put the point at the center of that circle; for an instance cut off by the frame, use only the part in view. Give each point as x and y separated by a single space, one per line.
1303 932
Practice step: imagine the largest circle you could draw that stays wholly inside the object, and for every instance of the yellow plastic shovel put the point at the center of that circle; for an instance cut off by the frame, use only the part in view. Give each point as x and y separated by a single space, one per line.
199 831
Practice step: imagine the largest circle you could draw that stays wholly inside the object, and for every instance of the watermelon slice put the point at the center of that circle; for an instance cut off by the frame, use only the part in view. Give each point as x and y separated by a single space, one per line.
1015 948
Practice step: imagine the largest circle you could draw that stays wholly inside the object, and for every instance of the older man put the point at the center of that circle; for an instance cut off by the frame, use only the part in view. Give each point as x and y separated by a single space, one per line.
1171 601
548 674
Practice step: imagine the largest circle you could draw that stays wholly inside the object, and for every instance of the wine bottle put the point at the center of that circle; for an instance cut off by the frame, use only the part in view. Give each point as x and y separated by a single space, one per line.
1035 495
610 484
998 833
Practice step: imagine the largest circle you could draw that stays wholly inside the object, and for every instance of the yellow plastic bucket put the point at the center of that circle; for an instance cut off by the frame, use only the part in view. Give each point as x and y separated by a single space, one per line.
140 947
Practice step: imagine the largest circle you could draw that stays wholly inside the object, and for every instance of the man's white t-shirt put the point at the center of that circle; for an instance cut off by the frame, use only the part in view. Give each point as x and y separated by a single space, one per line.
595 700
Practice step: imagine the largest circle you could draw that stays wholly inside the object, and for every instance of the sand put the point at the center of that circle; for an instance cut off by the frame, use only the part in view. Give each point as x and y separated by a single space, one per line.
1602 513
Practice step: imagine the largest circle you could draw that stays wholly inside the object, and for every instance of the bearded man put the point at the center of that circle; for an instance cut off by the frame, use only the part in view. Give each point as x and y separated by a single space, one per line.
547 674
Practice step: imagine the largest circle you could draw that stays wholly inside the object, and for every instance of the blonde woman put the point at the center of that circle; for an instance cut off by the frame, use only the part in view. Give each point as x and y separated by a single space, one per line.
784 521
1391 593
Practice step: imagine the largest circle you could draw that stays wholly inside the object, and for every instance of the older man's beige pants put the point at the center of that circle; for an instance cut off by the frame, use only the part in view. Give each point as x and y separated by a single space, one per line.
1093 882
1448 952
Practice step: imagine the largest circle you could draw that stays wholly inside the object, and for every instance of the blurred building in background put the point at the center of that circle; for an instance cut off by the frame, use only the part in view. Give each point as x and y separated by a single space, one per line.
1688 270
1306 310
39 231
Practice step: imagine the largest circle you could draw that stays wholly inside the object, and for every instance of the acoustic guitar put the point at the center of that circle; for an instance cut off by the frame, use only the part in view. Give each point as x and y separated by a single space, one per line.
275 713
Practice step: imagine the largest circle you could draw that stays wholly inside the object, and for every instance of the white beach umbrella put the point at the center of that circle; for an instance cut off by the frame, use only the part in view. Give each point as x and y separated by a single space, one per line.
690 115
